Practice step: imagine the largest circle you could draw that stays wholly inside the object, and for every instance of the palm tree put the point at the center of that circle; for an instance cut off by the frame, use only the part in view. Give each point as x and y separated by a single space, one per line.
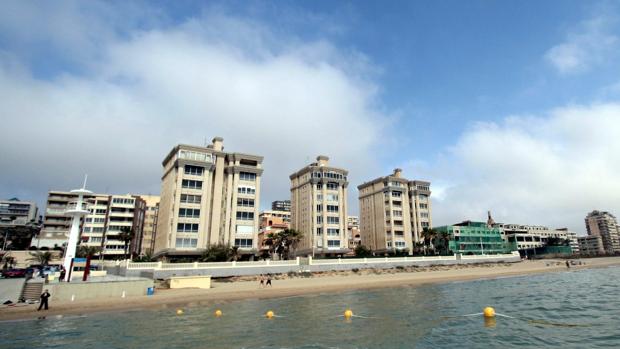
219 253
418 248
42 257
444 241
126 235
8 261
428 235
285 241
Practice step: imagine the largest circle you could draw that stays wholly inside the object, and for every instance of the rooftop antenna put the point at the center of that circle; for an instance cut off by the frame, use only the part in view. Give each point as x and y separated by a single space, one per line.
85 180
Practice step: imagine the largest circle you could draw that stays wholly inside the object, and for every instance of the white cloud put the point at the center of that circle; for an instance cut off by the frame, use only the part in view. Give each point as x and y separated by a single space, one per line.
550 169
146 90
590 44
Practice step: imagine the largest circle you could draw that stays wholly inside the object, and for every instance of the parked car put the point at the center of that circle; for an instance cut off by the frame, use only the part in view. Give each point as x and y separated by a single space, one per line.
14 273
50 269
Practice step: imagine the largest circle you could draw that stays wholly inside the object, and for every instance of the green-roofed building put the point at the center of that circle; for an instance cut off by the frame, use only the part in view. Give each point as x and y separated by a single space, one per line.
475 238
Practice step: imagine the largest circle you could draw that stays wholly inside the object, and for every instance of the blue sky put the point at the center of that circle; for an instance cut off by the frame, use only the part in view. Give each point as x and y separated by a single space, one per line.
494 102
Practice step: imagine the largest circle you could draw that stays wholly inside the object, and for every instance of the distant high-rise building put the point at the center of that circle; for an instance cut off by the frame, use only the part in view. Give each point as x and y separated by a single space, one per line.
208 197
393 212
319 208
19 221
281 205
605 225
145 243
591 245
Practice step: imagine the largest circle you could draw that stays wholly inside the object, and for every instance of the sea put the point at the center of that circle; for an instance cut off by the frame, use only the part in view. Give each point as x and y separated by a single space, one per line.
571 309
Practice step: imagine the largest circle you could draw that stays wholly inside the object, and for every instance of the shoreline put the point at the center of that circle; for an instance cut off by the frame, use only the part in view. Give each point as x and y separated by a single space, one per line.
225 292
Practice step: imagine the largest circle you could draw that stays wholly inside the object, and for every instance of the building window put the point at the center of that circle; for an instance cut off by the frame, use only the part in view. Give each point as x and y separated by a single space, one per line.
319 208
333 220
247 176
423 205
424 224
245 216
245 202
192 155
189 212
399 244
333 232
424 215
332 208
333 243
319 186
331 197
332 186
246 190
244 229
187 227
396 213
194 170
396 194
123 201
100 211
319 231
186 243
319 219
243 243
190 184
319 197
87 229
190 199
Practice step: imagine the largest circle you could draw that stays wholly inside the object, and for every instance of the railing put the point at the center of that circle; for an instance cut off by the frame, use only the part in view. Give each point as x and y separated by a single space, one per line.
379 260
198 265
491 256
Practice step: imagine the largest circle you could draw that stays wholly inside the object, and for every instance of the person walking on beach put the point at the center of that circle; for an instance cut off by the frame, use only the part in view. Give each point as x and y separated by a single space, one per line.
567 265
268 280
44 296
261 278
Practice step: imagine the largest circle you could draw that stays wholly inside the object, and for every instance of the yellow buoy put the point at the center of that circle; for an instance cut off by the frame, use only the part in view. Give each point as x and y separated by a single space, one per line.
488 312
218 313
269 314
348 313
179 311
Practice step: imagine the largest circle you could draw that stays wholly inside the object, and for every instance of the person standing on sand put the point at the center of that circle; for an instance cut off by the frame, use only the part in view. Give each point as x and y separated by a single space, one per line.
262 281
268 280
44 296
567 264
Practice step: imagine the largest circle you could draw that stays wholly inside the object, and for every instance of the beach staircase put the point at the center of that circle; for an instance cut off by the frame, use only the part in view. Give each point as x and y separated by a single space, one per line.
32 290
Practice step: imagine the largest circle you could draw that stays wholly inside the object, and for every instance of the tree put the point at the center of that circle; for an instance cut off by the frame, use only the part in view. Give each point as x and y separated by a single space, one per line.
219 253
362 251
126 235
418 248
42 258
443 239
429 235
285 241
8 261
148 257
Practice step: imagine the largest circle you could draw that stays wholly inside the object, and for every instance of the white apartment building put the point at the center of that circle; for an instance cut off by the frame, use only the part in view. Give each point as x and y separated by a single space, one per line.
208 197
393 212
591 245
319 208
109 214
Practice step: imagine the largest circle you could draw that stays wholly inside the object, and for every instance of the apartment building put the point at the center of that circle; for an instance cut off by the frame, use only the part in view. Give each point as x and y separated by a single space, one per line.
354 237
272 222
19 221
319 208
393 212
208 197
108 216
281 205
591 245
605 225
145 244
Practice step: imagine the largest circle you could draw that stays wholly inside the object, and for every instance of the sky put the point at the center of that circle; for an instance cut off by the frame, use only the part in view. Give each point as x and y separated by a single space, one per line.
507 106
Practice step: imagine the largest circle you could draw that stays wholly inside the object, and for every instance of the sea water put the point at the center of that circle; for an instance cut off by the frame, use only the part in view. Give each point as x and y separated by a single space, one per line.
572 309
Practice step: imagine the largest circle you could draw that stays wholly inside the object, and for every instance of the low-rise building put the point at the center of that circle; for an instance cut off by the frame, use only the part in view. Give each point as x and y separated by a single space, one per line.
271 222
530 238
474 238
281 205
353 232
591 245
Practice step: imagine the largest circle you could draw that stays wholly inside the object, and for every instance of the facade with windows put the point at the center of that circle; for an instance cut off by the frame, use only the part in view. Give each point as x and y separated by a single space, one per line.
19 221
108 216
319 208
529 238
281 205
605 225
591 245
144 244
393 212
475 238
208 197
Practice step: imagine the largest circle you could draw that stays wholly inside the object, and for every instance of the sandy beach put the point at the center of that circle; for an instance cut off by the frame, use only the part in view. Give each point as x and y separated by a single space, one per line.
229 291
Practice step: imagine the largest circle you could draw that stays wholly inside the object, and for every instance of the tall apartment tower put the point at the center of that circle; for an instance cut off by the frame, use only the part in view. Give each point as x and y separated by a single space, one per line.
144 244
605 225
393 212
319 208
208 197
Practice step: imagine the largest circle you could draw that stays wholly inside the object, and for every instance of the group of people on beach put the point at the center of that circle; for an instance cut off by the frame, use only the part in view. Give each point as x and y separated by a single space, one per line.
264 281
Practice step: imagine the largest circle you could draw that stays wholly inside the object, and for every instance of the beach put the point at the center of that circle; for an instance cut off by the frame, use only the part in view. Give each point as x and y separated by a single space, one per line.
225 291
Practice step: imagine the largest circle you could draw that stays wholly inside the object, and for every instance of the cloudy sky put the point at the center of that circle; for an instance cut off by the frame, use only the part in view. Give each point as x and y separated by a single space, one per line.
507 106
